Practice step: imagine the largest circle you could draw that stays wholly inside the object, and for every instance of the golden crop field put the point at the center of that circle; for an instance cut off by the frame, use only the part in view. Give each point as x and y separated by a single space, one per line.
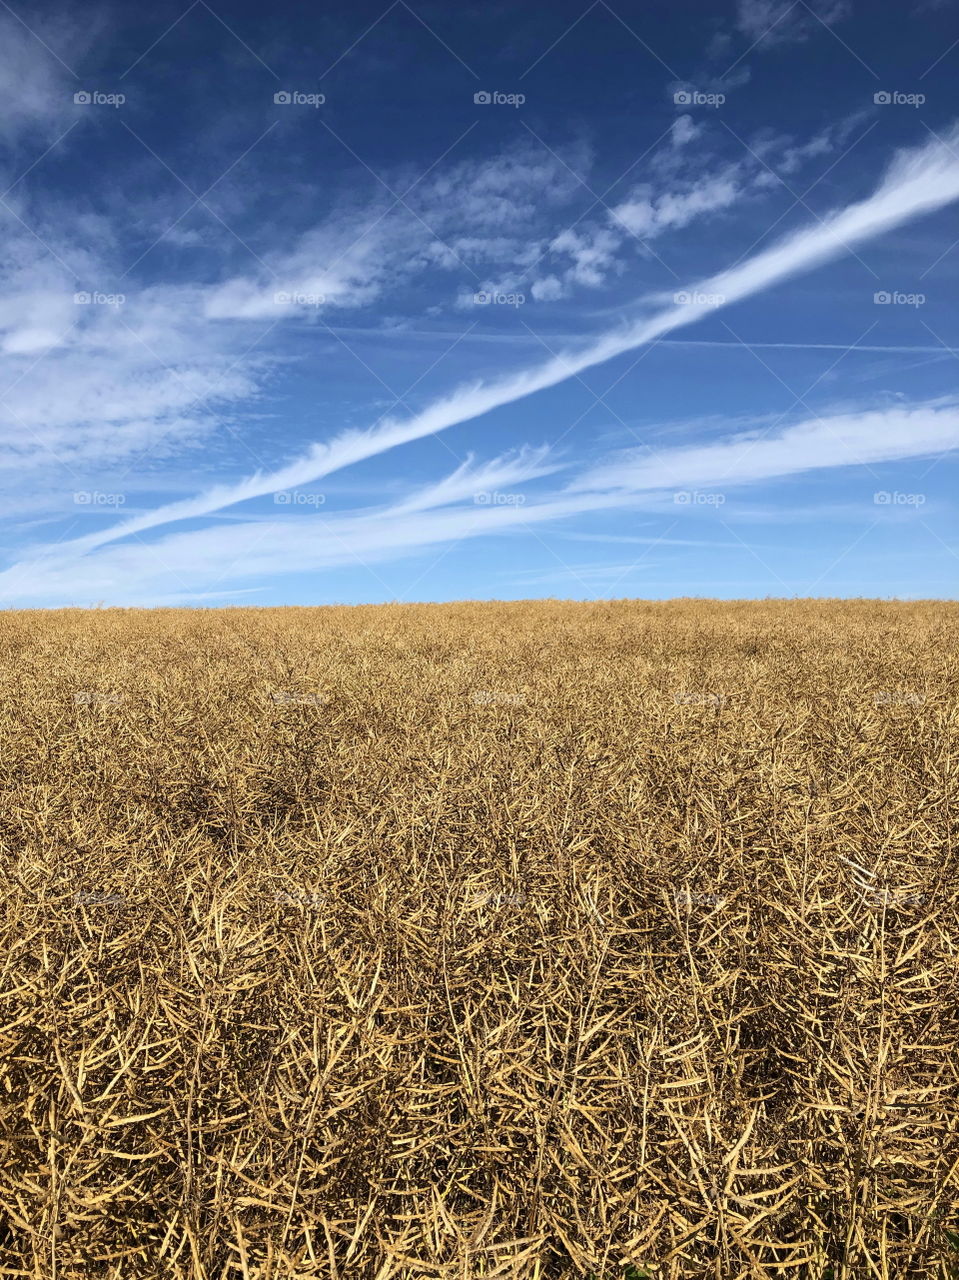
537 939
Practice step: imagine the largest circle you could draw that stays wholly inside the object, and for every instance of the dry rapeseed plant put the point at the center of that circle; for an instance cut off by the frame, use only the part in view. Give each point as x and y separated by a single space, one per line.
525 940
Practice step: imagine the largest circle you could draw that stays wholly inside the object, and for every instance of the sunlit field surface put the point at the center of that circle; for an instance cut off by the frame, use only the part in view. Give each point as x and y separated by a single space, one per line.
529 940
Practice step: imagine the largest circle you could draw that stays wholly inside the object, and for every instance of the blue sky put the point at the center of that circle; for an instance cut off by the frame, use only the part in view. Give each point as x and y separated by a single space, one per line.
304 304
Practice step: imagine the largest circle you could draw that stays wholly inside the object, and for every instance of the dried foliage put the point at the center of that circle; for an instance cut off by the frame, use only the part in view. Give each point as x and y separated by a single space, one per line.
529 940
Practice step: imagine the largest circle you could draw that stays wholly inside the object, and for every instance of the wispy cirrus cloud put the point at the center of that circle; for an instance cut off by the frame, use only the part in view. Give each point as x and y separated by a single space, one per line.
777 22
338 253
747 457
917 181
458 220
35 106
181 566
685 185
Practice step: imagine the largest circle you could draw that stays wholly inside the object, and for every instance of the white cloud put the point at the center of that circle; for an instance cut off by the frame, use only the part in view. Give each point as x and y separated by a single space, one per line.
183 566
36 91
92 384
547 289
770 22
684 129
468 217
681 189
469 481
839 440
918 181
338 265
648 215
199 560
95 384
593 253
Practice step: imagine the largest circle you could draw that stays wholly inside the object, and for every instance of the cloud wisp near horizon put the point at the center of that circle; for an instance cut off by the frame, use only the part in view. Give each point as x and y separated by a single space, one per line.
189 353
